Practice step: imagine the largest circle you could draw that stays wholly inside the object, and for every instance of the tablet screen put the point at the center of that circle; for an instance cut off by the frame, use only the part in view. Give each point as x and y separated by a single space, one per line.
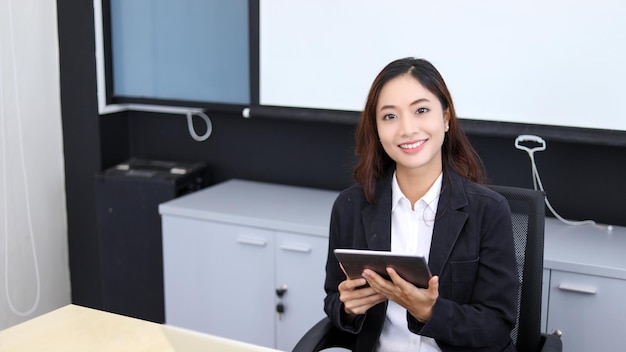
412 268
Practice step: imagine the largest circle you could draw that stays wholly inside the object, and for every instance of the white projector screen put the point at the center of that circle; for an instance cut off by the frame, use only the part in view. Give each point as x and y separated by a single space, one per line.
556 62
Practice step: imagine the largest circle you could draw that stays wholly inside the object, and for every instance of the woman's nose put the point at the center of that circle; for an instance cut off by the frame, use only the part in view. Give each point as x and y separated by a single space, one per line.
408 125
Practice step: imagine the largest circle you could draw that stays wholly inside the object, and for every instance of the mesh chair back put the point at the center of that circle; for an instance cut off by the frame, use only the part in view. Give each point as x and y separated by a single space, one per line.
528 220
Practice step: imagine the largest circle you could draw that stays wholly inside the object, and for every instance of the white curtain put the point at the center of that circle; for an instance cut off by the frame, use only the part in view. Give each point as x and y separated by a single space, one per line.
34 268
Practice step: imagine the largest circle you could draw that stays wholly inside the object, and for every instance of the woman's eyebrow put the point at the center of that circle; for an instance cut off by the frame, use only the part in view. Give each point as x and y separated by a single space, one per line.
418 101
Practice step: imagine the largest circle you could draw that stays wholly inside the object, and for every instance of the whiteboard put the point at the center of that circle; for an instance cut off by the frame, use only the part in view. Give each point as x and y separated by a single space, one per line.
556 62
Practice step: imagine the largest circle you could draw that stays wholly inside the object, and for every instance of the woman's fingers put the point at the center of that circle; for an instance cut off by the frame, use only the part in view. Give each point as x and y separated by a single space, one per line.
356 297
359 301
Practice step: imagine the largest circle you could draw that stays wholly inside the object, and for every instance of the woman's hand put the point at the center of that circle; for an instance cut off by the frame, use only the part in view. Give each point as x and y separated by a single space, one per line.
356 297
418 301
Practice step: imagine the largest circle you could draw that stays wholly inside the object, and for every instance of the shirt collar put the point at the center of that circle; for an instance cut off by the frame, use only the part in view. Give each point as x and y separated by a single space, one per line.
429 198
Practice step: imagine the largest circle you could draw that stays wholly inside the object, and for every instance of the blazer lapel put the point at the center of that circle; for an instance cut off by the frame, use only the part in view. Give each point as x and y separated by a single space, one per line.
450 222
377 220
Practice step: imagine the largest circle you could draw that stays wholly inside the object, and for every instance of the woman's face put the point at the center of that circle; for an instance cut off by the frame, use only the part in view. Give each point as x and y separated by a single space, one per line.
411 125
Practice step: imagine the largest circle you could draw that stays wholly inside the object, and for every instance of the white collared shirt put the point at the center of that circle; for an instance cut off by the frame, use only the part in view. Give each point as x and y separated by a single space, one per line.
411 233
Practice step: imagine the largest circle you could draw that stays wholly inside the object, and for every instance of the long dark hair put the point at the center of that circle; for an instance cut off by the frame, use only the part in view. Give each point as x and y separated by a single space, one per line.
373 162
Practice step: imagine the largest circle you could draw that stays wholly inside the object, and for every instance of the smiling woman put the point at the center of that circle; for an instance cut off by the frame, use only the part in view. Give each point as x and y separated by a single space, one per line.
416 194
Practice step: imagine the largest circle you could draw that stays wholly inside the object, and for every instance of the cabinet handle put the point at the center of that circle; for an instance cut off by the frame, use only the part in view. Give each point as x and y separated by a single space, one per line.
252 241
578 289
295 248
280 292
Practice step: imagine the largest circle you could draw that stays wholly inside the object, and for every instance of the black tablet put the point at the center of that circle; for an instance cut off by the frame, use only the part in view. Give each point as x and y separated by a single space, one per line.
412 268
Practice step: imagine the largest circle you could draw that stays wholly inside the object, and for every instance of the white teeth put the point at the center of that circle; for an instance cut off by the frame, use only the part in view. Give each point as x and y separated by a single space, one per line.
411 146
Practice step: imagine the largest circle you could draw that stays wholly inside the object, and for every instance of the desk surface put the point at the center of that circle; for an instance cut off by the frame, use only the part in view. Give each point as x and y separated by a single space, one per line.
581 249
585 249
237 201
74 328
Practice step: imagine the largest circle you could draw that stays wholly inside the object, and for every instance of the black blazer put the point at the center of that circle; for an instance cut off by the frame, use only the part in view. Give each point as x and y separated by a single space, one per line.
472 252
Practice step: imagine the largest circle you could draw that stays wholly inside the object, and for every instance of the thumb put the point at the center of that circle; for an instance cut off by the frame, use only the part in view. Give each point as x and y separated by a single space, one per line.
433 285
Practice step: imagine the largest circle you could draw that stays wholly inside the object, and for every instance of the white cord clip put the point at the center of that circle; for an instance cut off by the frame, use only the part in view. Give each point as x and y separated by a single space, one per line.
530 138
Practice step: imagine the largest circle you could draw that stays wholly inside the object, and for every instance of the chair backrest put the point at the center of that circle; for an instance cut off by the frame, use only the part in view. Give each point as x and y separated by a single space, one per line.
528 220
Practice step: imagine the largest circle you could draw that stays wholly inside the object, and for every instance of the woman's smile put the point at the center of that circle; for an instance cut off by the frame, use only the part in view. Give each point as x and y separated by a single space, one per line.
413 146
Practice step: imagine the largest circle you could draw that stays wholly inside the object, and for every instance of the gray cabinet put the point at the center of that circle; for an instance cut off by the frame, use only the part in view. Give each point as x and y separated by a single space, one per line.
585 286
300 262
235 251
227 249
589 310
219 279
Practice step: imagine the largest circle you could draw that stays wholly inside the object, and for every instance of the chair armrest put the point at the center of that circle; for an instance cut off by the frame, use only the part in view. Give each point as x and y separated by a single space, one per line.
324 335
551 343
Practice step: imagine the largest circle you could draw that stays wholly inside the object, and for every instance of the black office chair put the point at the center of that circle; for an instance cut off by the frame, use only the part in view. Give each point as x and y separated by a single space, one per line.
528 218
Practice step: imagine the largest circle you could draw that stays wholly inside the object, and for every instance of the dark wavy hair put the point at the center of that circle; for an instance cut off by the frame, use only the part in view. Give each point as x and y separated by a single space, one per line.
373 162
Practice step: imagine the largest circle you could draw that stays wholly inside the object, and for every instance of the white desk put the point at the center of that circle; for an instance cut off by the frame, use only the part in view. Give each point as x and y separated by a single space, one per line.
78 329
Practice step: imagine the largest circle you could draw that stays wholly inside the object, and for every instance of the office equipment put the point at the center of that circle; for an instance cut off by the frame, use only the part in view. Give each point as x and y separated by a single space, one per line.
193 52
245 246
528 230
264 61
146 82
129 230
412 268
75 328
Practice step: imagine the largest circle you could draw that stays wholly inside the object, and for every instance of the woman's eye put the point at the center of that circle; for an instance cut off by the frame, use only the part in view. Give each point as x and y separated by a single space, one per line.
389 117
421 110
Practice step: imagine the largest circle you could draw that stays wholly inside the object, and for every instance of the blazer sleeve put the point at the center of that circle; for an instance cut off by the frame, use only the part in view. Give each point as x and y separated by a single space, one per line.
340 228
486 316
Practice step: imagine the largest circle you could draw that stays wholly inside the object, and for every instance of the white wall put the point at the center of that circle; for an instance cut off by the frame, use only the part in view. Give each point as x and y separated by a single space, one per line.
34 268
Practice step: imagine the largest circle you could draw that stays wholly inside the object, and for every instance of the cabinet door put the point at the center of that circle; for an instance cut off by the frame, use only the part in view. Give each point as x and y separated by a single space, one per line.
219 279
300 266
589 311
